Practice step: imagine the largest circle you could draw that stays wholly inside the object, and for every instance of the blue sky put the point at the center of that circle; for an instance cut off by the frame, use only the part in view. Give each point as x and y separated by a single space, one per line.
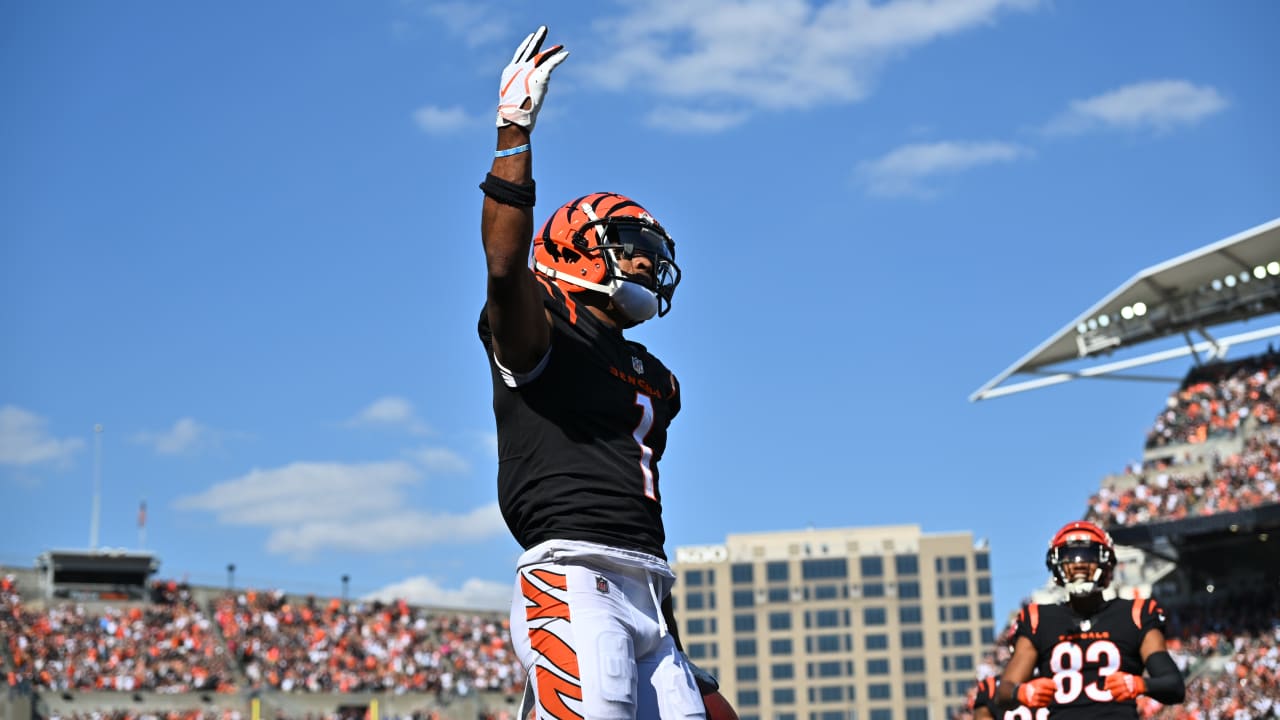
243 237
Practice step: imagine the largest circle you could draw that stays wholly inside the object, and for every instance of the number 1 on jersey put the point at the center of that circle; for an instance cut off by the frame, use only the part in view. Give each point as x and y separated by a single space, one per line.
646 453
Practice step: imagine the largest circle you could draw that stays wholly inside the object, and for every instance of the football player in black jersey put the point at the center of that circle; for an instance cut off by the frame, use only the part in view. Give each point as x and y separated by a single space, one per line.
582 416
1090 651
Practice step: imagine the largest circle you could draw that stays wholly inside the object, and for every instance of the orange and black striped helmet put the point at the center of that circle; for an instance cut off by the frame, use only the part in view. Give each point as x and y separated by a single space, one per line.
1081 542
580 244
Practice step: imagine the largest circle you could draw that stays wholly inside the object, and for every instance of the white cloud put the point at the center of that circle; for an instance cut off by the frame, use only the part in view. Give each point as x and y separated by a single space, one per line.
361 507
771 54
473 22
689 120
186 435
390 411
439 460
24 440
1159 105
440 121
421 590
902 171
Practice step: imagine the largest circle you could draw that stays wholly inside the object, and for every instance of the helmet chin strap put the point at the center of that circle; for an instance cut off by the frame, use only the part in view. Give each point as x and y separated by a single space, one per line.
635 301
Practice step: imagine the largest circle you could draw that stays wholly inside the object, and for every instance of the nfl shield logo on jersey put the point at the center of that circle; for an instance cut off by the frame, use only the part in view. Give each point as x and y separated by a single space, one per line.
602 585
637 365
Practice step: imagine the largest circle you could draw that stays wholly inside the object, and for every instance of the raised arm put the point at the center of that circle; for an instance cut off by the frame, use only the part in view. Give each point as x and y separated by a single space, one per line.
521 330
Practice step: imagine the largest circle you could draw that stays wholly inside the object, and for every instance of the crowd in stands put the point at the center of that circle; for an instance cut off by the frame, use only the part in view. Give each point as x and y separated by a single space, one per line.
1236 482
1216 399
346 647
166 645
253 640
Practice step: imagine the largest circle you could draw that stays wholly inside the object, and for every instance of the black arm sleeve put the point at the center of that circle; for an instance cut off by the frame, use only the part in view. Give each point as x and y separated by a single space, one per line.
1164 681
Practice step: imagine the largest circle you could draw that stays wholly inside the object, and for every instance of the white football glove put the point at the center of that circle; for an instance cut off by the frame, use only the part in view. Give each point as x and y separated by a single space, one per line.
524 81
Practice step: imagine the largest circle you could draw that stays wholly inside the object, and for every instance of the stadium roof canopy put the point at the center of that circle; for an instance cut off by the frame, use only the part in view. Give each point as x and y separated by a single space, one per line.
1231 280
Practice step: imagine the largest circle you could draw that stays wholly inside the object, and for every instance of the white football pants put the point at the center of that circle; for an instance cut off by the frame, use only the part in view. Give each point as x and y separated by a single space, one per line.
587 625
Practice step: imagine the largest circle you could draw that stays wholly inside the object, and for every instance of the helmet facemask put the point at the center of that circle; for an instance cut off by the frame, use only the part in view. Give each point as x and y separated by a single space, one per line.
1075 553
637 296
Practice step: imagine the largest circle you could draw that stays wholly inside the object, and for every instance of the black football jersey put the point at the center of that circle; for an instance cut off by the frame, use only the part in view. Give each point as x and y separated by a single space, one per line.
579 443
1079 652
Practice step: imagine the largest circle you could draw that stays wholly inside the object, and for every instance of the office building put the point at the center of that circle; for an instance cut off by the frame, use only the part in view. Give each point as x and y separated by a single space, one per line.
878 623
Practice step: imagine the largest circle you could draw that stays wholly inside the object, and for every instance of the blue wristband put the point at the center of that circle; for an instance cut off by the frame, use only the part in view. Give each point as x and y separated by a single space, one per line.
511 151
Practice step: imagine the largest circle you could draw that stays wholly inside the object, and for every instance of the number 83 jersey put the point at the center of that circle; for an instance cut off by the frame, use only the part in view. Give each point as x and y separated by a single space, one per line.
1080 652
580 435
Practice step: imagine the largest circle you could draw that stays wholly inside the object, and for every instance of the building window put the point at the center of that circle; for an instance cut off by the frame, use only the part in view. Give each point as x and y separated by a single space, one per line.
745 647
746 673
830 693
872 566
779 621
982 561
915 690
696 626
877 642
961 638
780 646
879 691
741 573
693 578
744 623
694 601
778 571
698 651
962 662
985 611
881 714
779 595
784 696
912 639
748 698
744 598
782 671
877 666
921 713
984 586
957 564
909 590
959 613
826 669
988 635
827 618
909 614
824 568
958 587
873 616
873 590
827 643
913 664
907 564
826 592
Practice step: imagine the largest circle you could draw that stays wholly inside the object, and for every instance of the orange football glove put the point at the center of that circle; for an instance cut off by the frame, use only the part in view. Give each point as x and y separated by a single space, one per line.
1037 693
1124 686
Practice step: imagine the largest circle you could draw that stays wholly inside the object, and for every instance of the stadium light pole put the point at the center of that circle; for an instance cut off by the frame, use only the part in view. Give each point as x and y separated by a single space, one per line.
231 577
97 487
345 580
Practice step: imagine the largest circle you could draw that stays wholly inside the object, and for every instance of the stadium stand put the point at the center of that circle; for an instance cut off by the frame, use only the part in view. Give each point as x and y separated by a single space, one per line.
189 653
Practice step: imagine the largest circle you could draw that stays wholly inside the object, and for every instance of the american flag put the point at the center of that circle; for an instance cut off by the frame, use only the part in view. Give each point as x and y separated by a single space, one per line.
142 514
